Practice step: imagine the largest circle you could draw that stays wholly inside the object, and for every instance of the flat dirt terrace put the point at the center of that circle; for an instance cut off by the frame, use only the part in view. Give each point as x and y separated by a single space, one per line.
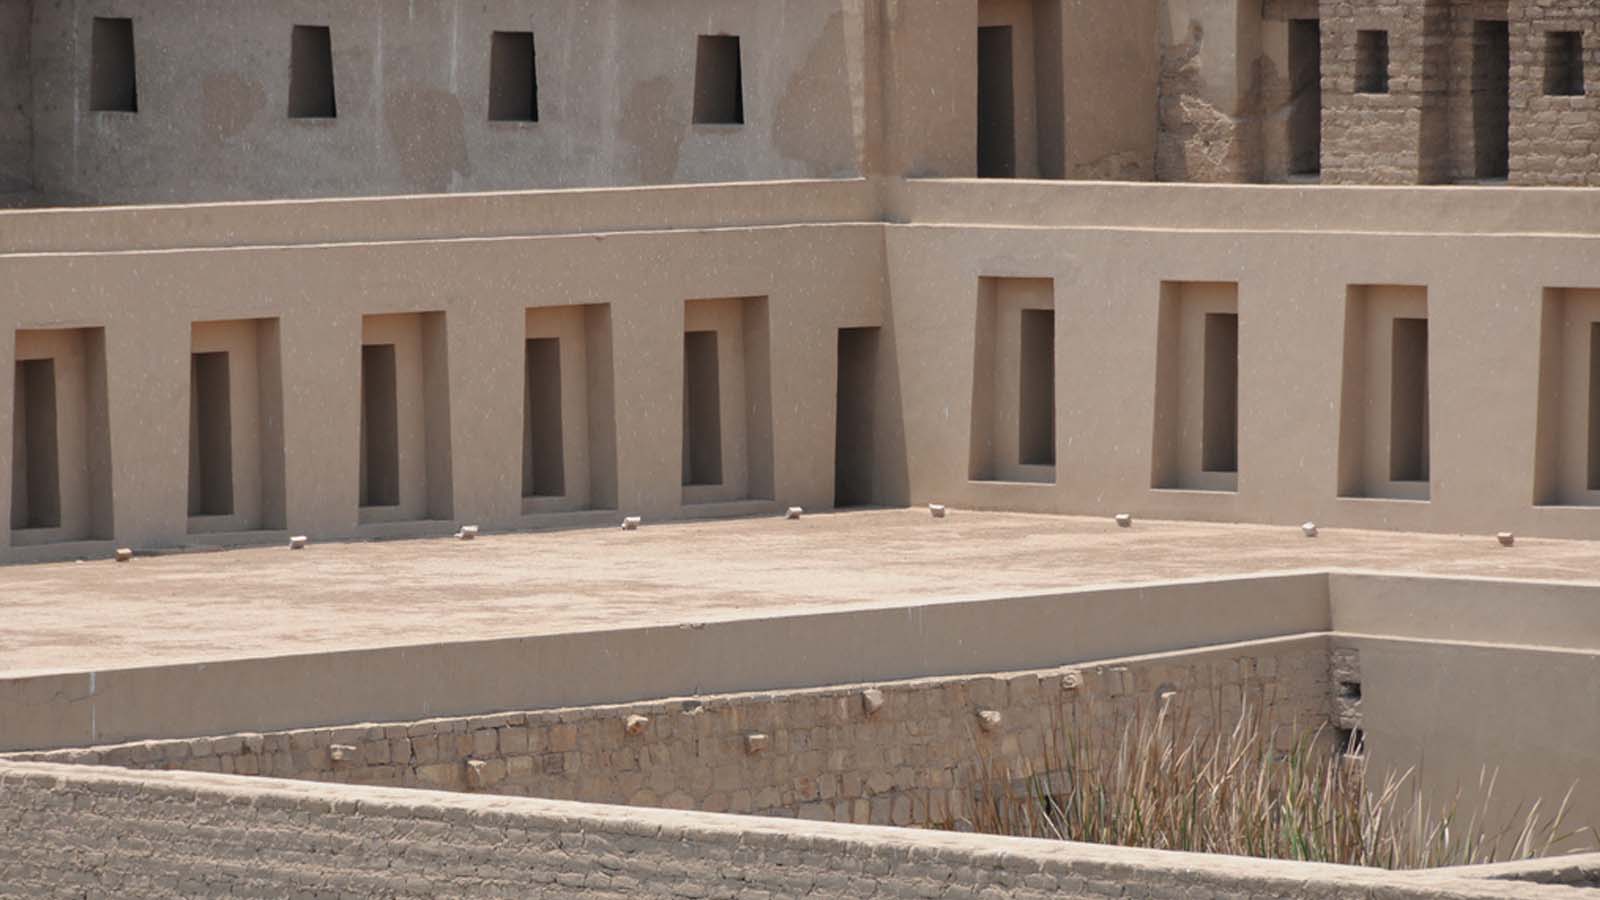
255 602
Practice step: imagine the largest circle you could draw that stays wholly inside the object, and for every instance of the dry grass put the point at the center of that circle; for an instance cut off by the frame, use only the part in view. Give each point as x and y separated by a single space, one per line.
1149 779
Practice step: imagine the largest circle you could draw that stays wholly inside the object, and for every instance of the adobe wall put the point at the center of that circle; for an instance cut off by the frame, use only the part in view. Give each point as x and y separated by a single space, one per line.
915 754
64 829
1555 140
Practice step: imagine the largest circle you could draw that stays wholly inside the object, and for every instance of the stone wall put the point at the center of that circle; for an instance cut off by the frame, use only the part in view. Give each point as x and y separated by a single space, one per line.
1555 140
904 753
71 831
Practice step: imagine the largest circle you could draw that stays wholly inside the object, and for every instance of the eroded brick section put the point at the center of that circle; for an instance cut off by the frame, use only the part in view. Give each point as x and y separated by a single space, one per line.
822 754
1200 140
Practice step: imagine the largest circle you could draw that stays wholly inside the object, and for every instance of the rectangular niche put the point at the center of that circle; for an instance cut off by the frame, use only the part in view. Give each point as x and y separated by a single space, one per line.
1019 90
1567 461
1384 431
855 420
513 78
61 438
405 419
236 456
727 401
1491 99
311 93
569 455
1013 382
113 82
1563 64
1197 387
1372 62
1305 97
718 81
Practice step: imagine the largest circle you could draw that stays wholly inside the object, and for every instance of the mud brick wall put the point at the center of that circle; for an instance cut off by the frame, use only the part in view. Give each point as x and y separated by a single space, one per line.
821 754
1555 140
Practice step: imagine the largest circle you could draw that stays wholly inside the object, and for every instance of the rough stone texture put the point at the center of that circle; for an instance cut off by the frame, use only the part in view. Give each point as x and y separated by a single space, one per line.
1199 140
1554 140
68 831
915 761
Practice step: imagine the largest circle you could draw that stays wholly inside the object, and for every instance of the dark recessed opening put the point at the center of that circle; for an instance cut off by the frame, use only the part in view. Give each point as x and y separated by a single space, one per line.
35 466
1372 62
1219 435
1594 406
1563 63
1408 409
997 129
1348 741
702 409
380 427
113 86
513 78
543 465
1491 99
1350 690
1305 97
1036 413
311 94
718 81
210 436
854 448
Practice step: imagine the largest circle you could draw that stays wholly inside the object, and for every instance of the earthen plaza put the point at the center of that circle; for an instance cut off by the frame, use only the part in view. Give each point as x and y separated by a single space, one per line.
706 448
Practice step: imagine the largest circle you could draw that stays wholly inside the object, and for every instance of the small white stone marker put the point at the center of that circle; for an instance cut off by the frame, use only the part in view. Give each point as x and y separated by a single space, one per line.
755 742
467 532
872 700
342 753
794 512
1309 529
1506 538
631 523
637 724
475 773
937 510
989 719
1071 680
298 542
1124 520
124 554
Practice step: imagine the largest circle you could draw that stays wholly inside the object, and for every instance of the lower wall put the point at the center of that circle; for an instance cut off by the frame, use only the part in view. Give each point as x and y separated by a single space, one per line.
71 831
817 754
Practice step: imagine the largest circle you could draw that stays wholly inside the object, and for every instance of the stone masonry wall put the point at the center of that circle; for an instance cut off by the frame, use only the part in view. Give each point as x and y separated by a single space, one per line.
79 831
1554 140
823 754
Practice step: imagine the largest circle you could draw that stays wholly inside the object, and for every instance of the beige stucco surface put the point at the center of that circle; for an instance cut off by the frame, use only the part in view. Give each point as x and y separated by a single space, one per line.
271 601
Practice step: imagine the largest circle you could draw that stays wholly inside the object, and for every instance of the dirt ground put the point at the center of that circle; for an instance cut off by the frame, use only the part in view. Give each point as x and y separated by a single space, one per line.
271 601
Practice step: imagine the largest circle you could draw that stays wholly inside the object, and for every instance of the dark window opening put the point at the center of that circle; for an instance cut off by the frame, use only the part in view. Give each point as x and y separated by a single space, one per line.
1594 406
210 436
1491 99
543 463
35 466
1036 413
718 81
997 135
113 85
311 94
1305 97
1563 64
854 456
1349 741
1219 433
702 409
1372 62
513 78
380 427
1350 690
1408 409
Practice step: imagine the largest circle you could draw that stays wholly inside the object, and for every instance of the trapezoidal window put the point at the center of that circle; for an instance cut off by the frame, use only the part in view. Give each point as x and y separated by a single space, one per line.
36 473
210 435
1196 430
311 94
855 422
1383 407
1563 63
1567 464
1036 389
1372 62
1408 402
113 86
1013 436
1491 99
513 78
997 134
1305 97
702 409
543 471
718 81
380 427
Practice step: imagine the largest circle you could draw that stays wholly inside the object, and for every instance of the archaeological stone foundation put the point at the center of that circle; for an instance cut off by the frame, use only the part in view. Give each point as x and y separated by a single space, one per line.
965 373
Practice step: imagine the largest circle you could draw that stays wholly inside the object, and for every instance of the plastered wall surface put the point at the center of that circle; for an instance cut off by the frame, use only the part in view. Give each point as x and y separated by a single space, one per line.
172 834
908 753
